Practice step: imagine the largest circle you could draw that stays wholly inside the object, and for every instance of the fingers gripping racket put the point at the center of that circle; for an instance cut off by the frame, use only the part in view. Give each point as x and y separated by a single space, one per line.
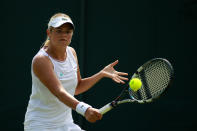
155 75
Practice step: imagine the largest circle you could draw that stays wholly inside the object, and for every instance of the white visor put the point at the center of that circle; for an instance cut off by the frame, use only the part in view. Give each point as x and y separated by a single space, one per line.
58 21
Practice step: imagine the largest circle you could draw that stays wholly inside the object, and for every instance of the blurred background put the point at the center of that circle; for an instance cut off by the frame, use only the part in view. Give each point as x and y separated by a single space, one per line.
132 31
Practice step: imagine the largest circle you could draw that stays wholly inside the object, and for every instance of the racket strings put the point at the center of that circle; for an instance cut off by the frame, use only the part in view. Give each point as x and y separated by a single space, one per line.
155 77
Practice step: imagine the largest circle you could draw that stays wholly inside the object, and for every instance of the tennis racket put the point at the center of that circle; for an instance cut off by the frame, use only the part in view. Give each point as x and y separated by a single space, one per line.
156 76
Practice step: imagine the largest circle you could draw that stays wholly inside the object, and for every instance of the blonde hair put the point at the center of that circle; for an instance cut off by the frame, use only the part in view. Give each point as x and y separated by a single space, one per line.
46 42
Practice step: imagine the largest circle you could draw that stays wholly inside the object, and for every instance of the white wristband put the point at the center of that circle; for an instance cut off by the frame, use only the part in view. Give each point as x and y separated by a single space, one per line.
82 107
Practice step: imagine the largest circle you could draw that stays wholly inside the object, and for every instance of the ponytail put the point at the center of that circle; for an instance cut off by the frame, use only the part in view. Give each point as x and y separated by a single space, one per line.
46 43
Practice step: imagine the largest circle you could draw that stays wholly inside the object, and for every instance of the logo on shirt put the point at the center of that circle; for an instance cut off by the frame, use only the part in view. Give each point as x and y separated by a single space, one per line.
61 74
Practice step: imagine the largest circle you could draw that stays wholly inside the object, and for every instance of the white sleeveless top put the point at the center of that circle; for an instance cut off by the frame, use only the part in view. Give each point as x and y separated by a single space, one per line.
44 109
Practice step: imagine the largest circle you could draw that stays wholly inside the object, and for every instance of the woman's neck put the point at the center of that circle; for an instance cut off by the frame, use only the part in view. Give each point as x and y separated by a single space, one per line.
57 53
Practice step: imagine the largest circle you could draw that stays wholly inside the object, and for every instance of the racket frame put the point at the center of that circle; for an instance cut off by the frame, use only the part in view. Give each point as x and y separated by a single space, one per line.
131 99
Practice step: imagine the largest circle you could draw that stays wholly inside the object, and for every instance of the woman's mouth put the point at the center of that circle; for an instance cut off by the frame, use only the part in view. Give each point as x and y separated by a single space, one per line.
63 40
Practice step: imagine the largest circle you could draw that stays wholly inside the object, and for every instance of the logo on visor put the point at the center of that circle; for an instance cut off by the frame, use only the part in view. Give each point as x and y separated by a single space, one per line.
64 19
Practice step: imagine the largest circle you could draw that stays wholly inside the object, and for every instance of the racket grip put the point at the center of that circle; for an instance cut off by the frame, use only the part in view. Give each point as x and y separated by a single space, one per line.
105 108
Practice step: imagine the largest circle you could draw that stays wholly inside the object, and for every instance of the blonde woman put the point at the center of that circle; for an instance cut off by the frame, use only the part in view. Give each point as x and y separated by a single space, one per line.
56 79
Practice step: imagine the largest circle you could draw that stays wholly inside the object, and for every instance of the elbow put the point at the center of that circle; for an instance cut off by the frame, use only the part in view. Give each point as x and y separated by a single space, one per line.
77 90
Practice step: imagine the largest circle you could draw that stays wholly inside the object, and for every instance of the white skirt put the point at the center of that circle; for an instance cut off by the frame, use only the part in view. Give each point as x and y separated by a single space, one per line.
67 127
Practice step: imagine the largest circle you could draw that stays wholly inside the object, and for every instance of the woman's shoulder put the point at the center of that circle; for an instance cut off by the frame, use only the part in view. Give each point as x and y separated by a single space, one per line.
73 51
40 56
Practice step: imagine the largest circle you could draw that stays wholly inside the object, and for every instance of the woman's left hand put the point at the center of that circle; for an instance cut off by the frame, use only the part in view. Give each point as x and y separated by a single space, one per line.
116 76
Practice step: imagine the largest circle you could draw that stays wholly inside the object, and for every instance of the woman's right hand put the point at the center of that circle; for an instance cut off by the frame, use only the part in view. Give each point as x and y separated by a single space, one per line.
92 115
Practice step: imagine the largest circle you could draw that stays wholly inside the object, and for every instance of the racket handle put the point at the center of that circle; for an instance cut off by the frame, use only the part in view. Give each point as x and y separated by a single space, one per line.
105 108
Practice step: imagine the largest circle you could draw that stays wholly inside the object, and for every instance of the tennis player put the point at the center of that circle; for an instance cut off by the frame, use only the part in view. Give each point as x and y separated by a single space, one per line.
56 79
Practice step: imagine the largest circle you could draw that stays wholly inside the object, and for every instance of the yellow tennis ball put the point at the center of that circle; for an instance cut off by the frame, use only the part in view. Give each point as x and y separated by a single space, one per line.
135 84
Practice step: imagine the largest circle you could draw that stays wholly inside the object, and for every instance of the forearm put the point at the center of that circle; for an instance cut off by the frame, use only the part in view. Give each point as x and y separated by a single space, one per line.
67 99
87 83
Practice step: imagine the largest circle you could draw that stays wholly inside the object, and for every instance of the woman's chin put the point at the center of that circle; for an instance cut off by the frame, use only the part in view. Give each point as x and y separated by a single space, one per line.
65 43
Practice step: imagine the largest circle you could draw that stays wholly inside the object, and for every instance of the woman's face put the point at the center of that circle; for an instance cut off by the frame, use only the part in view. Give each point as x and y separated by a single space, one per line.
61 36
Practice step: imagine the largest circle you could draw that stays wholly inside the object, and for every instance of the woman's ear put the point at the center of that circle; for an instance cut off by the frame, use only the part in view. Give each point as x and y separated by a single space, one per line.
48 32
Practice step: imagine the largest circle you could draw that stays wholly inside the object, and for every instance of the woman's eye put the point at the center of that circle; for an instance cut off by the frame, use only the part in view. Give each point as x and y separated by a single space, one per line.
65 32
58 31
68 32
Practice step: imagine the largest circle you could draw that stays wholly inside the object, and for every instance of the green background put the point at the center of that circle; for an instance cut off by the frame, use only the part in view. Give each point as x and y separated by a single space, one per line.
132 31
